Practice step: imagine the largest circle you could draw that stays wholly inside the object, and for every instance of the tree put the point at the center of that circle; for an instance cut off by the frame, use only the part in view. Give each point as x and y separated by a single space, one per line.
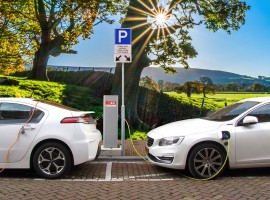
207 86
189 88
52 27
257 87
149 83
169 86
232 87
11 59
160 84
169 43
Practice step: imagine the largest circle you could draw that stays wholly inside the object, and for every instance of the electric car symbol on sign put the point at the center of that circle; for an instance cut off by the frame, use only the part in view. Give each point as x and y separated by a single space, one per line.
201 145
45 136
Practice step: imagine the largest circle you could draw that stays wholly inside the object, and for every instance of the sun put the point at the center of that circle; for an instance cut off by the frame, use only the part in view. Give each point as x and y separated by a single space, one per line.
160 19
158 14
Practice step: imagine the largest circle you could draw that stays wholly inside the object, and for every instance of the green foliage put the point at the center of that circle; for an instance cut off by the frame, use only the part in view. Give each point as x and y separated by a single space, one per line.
216 101
189 88
51 27
207 86
137 135
10 54
44 90
169 43
257 87
66 94
13 91
156 108
149 83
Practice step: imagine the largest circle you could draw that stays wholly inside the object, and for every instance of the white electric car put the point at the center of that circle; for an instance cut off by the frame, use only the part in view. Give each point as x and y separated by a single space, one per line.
45 136
201 145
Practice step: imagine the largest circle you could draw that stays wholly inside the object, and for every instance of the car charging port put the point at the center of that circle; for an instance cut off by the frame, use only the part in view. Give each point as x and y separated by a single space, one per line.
224 135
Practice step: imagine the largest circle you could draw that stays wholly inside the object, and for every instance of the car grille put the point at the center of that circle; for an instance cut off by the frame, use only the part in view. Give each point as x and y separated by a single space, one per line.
166 160
150 141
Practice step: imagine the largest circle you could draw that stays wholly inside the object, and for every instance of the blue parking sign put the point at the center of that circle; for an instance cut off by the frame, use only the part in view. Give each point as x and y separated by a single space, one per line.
123 36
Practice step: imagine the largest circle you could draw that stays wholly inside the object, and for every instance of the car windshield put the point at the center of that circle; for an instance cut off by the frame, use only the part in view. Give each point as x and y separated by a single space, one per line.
231 111
58 105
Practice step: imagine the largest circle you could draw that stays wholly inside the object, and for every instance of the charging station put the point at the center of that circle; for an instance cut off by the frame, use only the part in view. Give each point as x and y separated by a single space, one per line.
110 145
110 121
122 54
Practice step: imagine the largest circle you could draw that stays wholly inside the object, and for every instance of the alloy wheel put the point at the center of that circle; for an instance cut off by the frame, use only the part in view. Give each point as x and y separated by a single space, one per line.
51 161
207 162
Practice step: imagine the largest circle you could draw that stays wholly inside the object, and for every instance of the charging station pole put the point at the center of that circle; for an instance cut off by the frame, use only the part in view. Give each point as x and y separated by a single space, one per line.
122 54
123 112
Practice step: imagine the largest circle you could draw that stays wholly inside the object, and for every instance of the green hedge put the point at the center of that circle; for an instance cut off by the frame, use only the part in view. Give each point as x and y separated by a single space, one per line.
156 108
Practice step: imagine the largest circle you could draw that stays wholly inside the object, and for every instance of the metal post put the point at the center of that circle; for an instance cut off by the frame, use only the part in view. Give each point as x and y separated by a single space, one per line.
123 112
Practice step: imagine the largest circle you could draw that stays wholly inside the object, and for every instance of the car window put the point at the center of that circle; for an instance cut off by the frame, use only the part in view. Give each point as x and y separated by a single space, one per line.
12 113
231 111
58 105
262 113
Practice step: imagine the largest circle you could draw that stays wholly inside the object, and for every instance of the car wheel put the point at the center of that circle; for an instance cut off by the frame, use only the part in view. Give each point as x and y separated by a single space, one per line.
51 160
206 161
98 152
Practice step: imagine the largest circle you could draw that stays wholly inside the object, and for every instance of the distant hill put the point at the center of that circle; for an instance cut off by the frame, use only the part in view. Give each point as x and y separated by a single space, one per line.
193 74
182 75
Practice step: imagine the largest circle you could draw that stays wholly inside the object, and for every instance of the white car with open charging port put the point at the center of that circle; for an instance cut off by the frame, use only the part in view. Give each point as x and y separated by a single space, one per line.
45 136
201 145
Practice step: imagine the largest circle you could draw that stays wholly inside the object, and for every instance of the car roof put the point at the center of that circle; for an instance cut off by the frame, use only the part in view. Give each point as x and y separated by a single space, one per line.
257 99
45 104
17 99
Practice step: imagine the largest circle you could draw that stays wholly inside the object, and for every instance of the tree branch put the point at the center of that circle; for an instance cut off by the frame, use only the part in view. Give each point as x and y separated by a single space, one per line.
41 13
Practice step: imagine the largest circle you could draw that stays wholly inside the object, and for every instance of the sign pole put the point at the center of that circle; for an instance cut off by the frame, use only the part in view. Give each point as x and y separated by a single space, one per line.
123 112
123 54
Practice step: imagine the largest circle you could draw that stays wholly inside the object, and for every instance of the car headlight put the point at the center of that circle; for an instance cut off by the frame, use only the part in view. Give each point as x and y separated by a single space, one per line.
170 141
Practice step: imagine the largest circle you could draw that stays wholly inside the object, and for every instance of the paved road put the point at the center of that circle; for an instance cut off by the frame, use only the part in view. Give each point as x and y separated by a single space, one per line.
133 180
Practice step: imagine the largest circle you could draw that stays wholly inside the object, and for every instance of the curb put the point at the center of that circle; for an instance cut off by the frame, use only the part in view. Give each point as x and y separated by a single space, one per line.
120 158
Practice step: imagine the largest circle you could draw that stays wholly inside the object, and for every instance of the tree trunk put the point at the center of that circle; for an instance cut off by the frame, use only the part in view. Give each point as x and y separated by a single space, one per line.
132 77
39 71
133 70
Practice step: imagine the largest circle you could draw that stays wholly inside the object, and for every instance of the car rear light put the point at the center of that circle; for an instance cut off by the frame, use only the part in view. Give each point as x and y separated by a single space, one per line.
87 119
71 120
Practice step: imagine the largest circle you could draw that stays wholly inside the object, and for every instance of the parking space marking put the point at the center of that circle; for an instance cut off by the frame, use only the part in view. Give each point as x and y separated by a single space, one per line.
108 175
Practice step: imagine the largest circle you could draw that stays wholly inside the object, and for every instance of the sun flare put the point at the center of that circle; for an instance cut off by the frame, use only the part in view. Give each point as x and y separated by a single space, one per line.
160 19
157 14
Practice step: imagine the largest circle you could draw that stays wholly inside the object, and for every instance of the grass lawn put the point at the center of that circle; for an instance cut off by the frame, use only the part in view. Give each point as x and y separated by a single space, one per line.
214 102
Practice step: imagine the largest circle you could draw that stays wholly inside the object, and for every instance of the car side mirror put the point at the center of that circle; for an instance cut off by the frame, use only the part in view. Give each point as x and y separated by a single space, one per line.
249 120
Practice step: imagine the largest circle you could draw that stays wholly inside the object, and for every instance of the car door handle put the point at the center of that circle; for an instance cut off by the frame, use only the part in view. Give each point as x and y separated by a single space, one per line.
28 127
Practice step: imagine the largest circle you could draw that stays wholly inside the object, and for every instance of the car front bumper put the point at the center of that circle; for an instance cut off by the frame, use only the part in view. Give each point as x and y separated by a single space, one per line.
168 156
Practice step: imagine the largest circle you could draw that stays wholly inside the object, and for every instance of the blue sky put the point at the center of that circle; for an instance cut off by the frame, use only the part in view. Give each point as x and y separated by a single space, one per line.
245 52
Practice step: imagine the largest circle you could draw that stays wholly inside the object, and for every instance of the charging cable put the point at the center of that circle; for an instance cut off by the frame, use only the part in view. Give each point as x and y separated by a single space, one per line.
205 179
132 143
21 131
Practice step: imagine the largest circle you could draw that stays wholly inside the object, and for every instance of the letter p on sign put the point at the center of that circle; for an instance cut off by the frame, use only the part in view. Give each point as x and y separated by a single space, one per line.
123 36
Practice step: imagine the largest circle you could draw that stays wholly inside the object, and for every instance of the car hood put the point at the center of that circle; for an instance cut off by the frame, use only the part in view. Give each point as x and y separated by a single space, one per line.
185 127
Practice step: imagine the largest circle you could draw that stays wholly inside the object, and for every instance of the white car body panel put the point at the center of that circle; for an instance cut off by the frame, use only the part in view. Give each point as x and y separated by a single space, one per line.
248 145
82 139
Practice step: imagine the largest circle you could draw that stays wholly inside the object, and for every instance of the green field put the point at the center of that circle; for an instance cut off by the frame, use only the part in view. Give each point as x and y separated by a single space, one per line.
214 102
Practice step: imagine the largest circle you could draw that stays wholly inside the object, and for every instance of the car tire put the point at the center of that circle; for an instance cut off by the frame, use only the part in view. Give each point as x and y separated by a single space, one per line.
206 161
98 152
51 160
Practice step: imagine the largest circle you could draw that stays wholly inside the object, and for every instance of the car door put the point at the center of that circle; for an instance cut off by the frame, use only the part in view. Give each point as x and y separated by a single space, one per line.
12 117
253 141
